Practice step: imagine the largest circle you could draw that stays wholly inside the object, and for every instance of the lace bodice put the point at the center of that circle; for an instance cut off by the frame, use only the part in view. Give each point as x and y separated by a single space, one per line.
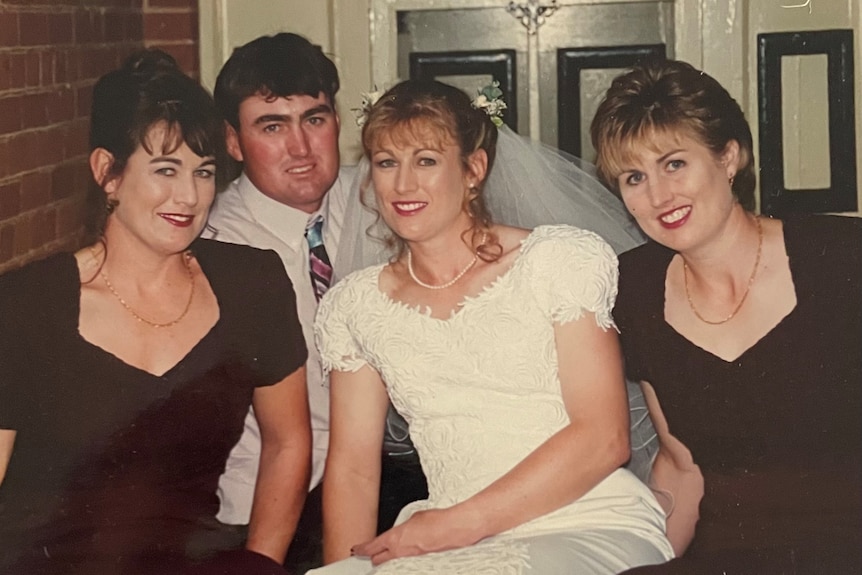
479 389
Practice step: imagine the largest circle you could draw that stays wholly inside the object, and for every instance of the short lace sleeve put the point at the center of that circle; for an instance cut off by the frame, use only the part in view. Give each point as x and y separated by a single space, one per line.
572 271
333 332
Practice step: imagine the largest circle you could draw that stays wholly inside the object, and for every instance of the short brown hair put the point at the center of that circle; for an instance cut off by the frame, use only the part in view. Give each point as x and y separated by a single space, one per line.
668 97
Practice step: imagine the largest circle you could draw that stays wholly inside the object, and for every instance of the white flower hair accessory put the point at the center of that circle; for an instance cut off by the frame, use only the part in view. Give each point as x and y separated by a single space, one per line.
490 101
368 100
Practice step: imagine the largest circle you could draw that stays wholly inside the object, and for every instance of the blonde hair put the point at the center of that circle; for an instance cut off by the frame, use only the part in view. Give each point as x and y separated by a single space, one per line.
414 109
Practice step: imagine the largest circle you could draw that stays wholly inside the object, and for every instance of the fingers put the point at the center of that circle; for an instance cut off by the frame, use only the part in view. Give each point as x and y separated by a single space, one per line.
384 547
371 548
383 557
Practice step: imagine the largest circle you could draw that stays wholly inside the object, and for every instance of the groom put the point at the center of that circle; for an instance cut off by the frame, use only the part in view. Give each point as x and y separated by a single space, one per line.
277 95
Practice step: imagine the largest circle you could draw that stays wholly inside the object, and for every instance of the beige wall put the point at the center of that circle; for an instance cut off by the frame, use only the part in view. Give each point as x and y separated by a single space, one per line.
718 35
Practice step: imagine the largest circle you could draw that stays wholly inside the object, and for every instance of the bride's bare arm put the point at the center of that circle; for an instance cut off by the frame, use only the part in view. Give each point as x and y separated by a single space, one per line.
562 469
358 404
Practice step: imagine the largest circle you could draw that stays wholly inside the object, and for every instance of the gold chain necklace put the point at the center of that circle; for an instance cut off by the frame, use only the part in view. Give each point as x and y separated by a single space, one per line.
747 288
450 282
187 257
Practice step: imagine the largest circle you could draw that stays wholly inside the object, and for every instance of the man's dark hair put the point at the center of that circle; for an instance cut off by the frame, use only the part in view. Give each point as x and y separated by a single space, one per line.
274 67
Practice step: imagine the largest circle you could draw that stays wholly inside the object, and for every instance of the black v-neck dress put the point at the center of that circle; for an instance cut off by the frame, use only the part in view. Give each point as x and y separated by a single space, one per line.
777 432
114 470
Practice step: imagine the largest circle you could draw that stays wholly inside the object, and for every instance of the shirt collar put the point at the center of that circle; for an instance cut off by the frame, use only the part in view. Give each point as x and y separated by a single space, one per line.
285 222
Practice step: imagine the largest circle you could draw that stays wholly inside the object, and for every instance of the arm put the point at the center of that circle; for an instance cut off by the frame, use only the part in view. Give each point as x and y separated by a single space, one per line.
351 489
7 441
675 478
565 467
285 461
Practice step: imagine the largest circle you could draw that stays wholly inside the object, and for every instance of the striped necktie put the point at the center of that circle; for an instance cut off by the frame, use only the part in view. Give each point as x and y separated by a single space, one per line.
319 265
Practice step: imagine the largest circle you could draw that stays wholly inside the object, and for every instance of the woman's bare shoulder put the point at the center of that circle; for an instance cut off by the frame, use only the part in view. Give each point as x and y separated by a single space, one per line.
510 238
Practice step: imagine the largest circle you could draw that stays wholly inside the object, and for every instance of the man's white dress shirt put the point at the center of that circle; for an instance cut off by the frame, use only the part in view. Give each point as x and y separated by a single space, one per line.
242 214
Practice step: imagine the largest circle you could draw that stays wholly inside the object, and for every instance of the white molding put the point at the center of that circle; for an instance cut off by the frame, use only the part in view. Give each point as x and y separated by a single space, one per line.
212 35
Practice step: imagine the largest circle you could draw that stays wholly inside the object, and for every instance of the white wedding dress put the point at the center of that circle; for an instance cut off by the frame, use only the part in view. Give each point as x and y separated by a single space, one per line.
480 392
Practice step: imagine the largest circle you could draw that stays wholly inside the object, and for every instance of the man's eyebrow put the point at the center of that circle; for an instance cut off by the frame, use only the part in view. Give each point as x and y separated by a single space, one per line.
321 109
266 118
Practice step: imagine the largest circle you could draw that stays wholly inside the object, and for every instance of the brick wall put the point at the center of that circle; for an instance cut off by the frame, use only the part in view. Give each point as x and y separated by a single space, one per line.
51 54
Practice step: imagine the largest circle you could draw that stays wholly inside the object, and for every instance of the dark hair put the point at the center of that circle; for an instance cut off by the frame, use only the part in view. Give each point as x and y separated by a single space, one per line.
127 103
664 97
274 67
408 109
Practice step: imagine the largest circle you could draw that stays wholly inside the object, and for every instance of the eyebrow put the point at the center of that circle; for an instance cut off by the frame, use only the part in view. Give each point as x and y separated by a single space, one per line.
168 159
320 109
659 160
178 162
669 154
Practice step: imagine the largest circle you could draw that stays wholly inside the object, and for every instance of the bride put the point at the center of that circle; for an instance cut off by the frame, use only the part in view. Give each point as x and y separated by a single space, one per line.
498 346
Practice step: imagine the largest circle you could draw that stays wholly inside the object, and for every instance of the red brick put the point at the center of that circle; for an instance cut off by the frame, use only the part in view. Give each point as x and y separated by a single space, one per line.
170 26
44 228
12 71
115 27
5 69
10 114
10 200
9 29
191 4
33 149
22 237
84 100
96 61
35 190
88 27
7 243
135 26
33 28
5 159
32 69
35 3
61 105
35 111
76 139
55 66
67 179
61 28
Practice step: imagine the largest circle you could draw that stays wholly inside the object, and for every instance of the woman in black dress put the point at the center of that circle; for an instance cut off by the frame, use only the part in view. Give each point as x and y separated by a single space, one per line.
126 368
749 330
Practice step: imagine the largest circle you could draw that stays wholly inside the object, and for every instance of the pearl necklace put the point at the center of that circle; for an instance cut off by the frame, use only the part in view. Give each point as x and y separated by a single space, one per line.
747 288
449 283
187 260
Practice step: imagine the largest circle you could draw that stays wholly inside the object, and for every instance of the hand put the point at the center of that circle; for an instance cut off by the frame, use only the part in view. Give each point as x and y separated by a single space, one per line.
425 532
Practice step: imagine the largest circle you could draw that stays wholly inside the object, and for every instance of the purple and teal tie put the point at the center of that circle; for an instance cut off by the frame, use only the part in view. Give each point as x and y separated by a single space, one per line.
319 264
